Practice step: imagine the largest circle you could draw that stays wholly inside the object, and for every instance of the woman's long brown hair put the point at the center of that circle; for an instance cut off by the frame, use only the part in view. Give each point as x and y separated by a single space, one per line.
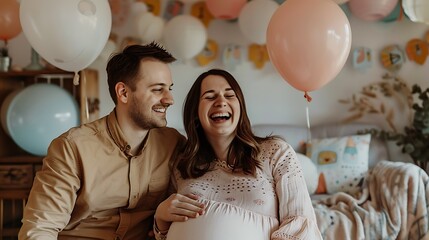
198 154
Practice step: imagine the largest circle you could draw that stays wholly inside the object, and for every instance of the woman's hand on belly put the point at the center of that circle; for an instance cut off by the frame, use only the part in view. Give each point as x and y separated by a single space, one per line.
178 208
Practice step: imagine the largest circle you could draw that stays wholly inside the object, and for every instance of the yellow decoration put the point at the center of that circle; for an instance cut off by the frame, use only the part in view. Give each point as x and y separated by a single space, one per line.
153 6
417 51
427 37
200 11
258 54
209 53
392 58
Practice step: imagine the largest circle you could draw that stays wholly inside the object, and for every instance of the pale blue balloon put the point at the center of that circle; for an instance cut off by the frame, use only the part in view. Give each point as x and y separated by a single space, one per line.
39 113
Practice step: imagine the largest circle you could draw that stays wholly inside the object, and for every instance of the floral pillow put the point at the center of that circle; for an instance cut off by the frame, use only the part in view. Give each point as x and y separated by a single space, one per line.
342 163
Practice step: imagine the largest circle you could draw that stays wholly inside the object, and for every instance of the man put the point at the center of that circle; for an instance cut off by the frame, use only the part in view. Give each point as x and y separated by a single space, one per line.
104 180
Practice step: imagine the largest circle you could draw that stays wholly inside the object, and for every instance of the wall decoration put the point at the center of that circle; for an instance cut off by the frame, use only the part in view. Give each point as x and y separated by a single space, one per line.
150 27
417 51
392 58
258 54
378 102
200 11
231 56
394 98
362 58
209 53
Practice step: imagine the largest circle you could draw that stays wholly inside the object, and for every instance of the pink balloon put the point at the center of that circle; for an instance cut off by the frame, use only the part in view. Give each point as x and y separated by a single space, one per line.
308 42
372 10
10 25
225 9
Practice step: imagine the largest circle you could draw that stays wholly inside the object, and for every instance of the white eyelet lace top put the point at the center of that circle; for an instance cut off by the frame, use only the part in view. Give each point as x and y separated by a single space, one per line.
273 205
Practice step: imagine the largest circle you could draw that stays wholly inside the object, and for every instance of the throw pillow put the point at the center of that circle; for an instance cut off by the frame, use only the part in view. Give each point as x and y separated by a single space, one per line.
310 172
342 162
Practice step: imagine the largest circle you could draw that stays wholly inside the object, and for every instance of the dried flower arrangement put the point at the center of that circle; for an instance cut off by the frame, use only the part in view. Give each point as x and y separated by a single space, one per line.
414 102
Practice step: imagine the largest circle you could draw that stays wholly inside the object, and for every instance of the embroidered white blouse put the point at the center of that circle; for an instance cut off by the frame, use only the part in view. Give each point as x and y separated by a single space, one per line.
273 205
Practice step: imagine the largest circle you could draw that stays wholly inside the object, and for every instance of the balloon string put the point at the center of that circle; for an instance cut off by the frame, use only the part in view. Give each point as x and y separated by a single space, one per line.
401 12
308 125
76 78
306 96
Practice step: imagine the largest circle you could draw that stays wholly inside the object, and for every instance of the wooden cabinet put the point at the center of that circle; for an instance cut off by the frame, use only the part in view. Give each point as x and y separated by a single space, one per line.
17 167
16 177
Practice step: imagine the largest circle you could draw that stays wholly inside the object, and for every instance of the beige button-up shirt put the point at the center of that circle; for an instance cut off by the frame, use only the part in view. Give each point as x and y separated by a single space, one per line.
91 187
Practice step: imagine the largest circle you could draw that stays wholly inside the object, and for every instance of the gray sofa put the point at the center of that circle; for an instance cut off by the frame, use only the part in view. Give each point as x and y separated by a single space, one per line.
296 135
393 202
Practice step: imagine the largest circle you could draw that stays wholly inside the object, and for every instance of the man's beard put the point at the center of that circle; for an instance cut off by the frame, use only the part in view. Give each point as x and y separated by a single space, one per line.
142 120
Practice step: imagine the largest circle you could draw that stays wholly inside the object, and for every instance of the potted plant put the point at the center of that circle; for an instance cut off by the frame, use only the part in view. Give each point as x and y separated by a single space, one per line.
414 137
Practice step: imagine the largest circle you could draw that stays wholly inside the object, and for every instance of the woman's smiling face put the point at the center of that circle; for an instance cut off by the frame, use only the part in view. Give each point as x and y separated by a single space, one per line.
219 107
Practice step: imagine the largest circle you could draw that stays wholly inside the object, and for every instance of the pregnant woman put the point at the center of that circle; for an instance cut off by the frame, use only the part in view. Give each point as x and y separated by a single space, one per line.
251 187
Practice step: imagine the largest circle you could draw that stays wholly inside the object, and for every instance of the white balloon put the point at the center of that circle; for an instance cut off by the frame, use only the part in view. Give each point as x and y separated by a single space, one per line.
185 36
69 34
255 28
138 7
416 10
150 27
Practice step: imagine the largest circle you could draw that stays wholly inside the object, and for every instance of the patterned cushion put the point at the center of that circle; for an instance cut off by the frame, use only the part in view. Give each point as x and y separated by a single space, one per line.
342 162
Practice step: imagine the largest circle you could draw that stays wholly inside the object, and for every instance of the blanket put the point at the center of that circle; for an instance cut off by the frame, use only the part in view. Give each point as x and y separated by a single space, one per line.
393 204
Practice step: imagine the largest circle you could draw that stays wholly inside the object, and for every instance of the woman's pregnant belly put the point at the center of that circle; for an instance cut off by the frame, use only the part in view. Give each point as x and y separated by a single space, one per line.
224 221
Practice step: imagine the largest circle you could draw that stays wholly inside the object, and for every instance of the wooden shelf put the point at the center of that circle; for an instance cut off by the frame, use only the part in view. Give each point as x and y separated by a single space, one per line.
32 73
14 161
12 204
14 193
21 159
10 232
